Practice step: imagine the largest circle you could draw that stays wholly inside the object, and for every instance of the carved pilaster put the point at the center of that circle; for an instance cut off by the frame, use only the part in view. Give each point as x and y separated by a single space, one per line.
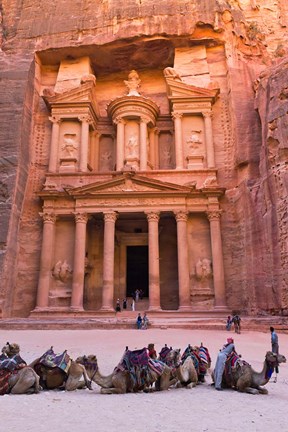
177 116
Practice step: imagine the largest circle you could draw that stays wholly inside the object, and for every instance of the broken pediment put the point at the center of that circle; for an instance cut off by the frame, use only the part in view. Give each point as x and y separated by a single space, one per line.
130 183
83 95
178 90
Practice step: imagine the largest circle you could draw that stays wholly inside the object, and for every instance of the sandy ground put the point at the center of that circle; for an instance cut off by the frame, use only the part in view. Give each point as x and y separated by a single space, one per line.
199 409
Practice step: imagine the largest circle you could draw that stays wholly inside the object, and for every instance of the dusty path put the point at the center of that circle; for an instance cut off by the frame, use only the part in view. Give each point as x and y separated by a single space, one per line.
198 410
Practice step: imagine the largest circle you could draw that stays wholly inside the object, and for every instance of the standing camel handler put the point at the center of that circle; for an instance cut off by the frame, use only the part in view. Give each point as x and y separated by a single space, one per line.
227 349
275 347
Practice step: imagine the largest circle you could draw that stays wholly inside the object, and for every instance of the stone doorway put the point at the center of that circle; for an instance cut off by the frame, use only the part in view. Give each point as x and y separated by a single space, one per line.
137 270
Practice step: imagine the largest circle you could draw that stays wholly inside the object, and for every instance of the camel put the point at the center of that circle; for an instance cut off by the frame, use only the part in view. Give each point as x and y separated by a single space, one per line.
15 376
125 380
243 378
201 360
184 372
66 376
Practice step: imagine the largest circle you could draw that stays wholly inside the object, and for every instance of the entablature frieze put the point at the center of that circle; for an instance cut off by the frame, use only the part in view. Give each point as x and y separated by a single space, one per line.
195 108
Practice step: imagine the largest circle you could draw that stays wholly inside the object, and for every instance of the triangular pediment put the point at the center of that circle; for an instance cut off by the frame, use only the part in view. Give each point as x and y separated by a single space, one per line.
178 90
129 184
85 93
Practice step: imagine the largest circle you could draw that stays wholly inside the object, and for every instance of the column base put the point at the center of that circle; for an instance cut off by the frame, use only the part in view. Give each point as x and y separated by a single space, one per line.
76 308
154 309
185 309
221 309
107 309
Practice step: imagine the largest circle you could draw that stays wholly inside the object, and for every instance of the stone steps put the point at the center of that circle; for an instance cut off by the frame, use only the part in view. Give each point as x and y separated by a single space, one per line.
128 322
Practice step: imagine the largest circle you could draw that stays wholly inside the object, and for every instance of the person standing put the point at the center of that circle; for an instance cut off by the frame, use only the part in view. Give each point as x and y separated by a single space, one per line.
139 321
118 307
124 304
133 305
275 347
227 349
145 322
228 323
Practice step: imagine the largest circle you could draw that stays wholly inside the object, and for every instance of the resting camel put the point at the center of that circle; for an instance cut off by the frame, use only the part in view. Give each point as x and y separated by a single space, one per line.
60 372
243 378
122 380
15 376
184 372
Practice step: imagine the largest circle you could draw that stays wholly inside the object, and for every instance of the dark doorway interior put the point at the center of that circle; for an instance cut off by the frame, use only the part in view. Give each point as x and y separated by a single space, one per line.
137 270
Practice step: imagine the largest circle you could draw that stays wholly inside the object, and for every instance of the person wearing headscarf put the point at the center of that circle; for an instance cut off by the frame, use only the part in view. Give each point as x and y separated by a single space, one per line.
227 349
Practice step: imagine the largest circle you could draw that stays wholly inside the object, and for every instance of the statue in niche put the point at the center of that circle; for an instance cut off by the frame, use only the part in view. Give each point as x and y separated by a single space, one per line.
69 147
170 72
194 140
166 157
105 160
62 271
203 269
132 145
133 83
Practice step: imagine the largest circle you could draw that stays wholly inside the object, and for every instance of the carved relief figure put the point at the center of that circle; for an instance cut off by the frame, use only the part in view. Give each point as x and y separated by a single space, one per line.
133 83
105 160
69 147
132 145
194 140
203 269
170 72
166 157
62 271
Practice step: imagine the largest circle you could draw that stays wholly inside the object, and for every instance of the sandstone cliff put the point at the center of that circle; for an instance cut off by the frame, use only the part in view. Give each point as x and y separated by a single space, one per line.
246 44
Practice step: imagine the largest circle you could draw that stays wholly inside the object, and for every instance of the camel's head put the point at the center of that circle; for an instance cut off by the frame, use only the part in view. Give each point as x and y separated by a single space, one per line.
173 358
89 362
11 349
275 359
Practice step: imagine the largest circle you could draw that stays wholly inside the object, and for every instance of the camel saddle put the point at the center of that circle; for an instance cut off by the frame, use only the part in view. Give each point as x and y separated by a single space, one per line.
9 366
233 361
51 360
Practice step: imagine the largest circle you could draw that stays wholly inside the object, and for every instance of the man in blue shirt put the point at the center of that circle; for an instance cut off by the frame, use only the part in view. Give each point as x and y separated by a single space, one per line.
275 346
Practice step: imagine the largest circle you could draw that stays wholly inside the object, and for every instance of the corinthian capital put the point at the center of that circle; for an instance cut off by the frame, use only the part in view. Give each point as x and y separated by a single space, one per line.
214 214
85 118
177 115
181 216
153 216
118 120
80 217
48 217
110 217
207 114
55 119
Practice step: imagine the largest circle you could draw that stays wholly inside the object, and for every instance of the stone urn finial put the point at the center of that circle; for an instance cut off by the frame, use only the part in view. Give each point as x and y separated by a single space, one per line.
133 83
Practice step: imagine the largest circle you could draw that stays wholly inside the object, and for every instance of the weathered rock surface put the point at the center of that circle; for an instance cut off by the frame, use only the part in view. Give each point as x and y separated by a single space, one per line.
240 44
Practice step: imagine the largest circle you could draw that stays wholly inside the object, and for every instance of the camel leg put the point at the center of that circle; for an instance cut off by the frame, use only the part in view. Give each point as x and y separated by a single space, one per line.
112 390
23 385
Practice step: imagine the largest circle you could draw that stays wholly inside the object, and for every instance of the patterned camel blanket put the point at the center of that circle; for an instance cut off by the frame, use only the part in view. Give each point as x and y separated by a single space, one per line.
9 366
140 367
52 360
201 358
233 361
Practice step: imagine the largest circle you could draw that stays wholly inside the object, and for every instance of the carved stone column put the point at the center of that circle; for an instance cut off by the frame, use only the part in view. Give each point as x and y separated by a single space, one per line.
183 261
85 120
79 261
48 239
143 144
209 139
217 257
120 143
108 261
177 116
154 267
95 151
156 147
54 143
152 147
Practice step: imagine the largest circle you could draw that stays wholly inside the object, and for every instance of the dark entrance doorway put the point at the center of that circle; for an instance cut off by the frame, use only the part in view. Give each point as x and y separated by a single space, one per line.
137 270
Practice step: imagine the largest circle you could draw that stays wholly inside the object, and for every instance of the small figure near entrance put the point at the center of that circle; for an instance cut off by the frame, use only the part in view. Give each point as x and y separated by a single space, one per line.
228 323
145 322
133 305
118 307
141 294
124 304
237 323
137 293
139 321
